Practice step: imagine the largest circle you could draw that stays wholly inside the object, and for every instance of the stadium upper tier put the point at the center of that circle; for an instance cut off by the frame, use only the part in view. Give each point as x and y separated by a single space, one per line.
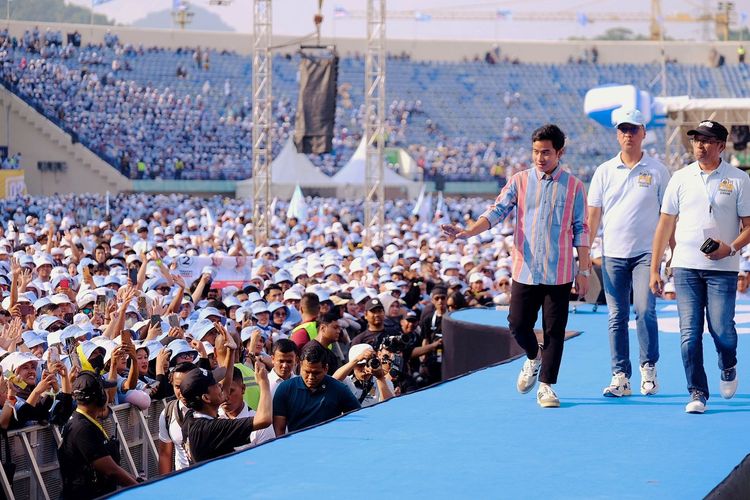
130 105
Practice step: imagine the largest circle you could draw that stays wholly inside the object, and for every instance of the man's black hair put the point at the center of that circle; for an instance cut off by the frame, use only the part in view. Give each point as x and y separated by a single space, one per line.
328 318
314 352
237 375
552 133
284 346
270 287
184 367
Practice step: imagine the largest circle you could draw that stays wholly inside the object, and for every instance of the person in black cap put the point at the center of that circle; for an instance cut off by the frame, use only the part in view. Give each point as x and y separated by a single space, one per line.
705 205
205 435
89 458
432 335
375 317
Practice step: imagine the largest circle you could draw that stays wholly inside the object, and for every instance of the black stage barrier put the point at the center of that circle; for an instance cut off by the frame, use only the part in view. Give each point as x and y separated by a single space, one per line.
735 485
476 338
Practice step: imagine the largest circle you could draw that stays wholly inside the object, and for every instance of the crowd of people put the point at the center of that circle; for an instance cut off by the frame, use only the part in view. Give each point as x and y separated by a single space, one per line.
86 292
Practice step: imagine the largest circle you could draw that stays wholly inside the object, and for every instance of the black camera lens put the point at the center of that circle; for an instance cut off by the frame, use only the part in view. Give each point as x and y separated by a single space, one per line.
373 363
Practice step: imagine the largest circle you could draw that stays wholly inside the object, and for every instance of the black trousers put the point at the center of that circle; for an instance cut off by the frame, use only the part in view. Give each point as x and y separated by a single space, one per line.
525 301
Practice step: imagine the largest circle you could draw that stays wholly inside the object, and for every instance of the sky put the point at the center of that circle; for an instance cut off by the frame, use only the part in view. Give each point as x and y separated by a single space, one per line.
294 17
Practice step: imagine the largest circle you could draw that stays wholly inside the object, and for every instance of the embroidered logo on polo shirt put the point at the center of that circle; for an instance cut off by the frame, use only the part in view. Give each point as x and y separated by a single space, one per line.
645 179
726 187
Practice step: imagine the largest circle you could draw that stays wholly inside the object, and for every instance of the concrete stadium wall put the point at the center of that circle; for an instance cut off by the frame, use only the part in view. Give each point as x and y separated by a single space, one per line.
37 139
437 50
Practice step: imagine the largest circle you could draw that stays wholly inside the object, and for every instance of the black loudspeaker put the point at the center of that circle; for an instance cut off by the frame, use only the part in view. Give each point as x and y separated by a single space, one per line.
740 136
316 105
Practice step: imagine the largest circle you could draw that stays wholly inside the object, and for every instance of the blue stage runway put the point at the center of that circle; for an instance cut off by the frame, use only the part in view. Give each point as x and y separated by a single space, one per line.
477 437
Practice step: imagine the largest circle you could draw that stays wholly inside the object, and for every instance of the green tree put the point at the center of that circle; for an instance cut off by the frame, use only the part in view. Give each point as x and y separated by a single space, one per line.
55 11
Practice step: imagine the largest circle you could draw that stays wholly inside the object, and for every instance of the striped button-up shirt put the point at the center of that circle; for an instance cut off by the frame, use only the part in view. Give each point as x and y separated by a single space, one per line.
550 221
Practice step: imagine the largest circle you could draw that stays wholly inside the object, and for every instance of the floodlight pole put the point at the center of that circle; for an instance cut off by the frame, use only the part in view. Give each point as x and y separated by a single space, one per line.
262 116
374 121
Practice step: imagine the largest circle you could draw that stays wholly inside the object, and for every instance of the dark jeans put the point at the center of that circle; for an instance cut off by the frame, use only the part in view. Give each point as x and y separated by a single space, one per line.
525 301
706 296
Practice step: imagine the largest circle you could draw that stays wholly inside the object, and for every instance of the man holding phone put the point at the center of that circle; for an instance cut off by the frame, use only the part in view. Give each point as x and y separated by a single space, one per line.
705 204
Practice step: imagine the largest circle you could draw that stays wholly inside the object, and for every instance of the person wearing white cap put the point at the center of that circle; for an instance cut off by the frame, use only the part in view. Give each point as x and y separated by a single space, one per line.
26 401
364 376
477 295
626 194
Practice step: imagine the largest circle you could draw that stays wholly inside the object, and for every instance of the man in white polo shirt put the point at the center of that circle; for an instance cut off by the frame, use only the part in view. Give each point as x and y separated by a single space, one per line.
705 204
626 194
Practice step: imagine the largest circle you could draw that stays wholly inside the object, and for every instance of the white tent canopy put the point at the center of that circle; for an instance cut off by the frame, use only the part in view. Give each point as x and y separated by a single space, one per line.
351 178
354 171
289 170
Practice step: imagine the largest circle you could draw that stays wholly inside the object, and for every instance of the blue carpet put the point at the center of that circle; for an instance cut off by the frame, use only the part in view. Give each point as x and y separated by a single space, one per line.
477 437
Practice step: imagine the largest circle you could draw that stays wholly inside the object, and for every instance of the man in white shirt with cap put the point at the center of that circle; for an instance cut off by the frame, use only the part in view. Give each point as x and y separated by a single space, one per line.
705 205
626 193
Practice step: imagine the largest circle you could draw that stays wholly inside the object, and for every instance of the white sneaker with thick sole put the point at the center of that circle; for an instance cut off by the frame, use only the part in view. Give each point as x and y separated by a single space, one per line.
649 384
697 403
728 384
546 397
619 387
527 378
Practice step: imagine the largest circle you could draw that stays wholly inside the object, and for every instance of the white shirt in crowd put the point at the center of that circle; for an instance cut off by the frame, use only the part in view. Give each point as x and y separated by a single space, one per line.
374 395
172 433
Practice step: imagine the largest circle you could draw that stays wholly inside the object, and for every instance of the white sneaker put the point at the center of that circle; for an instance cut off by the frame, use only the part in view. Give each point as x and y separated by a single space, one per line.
546 397
619 387
697 403
728 384
527 378
649 384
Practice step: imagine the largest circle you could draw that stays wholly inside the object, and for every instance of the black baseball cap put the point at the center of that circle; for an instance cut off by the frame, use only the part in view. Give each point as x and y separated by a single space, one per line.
88 384
710 128
195 384
373 304
411 316
439 290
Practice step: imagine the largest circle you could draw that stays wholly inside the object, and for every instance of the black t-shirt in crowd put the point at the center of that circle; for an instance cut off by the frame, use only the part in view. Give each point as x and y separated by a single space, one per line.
369 337
209 438
82 444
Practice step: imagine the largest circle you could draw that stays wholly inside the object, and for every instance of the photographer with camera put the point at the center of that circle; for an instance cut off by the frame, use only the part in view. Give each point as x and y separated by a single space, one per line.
365 376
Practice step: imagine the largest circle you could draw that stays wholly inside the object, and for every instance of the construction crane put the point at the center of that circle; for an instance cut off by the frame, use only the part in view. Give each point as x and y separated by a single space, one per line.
722 18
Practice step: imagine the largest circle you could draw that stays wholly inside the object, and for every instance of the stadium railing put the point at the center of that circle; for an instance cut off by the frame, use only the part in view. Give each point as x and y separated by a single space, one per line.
33 450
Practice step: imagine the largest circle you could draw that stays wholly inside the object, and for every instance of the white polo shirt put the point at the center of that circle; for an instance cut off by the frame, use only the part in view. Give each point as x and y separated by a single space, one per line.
689 195
630 199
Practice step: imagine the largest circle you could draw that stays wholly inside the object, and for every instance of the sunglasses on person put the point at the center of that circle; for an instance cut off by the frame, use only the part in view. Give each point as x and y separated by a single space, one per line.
703 140
629 129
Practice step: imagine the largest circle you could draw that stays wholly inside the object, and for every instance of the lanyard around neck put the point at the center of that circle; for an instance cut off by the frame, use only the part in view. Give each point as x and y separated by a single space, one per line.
93 421
711 197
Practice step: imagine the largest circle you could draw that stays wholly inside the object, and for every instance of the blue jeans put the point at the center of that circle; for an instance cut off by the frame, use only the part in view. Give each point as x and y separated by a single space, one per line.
709 294
620 276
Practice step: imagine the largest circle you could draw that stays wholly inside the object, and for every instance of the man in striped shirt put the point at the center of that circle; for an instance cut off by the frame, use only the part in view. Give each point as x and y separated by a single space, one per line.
550 221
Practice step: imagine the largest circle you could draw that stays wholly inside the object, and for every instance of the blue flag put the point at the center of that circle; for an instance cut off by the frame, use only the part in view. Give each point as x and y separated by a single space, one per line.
99 2
582 18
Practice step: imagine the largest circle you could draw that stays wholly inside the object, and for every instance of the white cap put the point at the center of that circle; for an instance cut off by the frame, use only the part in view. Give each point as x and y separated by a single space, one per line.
356 350
627 115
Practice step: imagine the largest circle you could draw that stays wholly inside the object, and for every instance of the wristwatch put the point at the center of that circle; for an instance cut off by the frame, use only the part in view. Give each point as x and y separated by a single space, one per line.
732 251
584 272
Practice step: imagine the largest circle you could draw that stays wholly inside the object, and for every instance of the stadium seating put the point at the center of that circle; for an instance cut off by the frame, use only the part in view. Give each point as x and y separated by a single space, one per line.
459 118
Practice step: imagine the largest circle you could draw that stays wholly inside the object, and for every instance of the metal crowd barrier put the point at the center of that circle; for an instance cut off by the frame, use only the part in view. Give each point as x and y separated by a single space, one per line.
34 452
